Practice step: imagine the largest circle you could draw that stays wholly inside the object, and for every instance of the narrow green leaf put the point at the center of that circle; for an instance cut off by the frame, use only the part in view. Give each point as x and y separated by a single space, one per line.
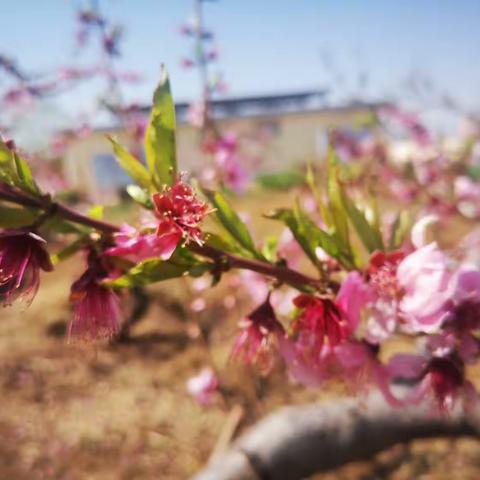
370 236
156 270
338 213
25 179
135 169
322 208
310 237
399 230
15 217
232 223
269 248
160 135
7 165
69 250
225 243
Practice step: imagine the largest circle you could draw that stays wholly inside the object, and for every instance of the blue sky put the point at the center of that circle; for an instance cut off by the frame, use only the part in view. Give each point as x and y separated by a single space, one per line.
267 45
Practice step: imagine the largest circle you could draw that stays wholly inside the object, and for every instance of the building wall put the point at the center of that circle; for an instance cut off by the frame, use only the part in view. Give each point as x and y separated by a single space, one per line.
287 140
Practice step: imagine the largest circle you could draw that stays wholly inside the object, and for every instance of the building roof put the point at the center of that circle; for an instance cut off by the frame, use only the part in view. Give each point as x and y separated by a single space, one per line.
258 105
255 105
270 105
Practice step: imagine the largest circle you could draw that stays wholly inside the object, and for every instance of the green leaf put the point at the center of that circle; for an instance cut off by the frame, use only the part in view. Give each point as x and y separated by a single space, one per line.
338 213
298 231
232 222
69 250
269 248
370 236
224 243
15 217
14 170
322 208
59 225
310 237
140 196
7 164
160 135
399 230
135 169
24 179
281 180
156 270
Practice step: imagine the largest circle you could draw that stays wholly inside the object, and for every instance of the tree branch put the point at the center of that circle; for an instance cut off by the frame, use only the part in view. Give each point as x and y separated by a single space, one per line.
297 442
283 274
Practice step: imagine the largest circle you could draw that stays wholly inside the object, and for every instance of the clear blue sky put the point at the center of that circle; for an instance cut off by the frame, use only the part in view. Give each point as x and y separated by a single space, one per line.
268 45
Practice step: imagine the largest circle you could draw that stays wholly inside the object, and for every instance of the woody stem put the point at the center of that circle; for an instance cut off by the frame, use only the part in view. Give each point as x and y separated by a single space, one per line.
280 273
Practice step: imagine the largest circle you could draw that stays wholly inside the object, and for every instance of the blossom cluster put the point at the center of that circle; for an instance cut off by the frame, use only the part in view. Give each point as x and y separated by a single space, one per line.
425 294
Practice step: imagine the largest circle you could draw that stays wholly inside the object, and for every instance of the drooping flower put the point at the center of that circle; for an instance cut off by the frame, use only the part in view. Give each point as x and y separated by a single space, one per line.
320 321
203 386
96 307
258 339
462 320
440 380
138 246
424 276
179 212
22 256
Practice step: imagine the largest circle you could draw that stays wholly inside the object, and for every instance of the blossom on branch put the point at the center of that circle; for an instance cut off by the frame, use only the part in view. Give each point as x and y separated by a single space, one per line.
258 339
425 277
137 246
179 212
96 308
22 256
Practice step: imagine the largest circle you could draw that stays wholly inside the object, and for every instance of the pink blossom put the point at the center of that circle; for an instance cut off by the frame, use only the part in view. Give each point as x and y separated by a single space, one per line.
235 176
440 380
424 276
180 213
186 29
96 308
196 114
255 285
466 189
463 318
22 256
467 193
361 369
204 386
319 321
186 63
289 249
410 122
259 337
353 296
228 161
307 371
138 246
421 230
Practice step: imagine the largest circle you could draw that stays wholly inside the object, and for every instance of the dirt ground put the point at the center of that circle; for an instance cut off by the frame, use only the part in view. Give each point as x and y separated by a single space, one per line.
121 411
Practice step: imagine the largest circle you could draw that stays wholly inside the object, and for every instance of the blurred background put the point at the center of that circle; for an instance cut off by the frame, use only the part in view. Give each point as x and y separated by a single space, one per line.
276 78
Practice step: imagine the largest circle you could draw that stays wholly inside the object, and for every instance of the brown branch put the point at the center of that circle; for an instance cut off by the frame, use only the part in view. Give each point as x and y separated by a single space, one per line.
283 274
297 442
